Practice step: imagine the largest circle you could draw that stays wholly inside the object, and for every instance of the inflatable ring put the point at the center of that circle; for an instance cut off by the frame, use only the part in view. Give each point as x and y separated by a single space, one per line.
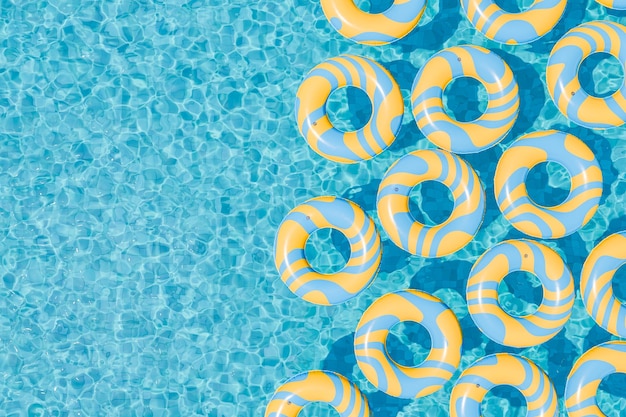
406 381
514 28
596 284
318 386
585 377
296 271
427 99
393 203
373 28
503 369
365 143
613 4
562 74
555 221
528 256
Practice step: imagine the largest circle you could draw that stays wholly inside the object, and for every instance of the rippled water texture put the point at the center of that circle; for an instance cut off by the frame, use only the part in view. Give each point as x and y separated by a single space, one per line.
148 152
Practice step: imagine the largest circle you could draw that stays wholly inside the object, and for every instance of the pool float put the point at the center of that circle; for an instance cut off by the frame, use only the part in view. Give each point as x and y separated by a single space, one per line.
489 271
503 369
427 99
514 28
318 386
562 219
562 74
296 271
393 203
596 284
584 379
613 4
373 28
408 381
362 144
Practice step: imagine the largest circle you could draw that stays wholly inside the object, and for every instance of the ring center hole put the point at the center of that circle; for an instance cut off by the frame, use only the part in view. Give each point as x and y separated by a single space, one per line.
431 203
619 286
318 409
601 74
465 99
503 400
327 250
520 293
408 343
548 184
611 394
374 6
349 108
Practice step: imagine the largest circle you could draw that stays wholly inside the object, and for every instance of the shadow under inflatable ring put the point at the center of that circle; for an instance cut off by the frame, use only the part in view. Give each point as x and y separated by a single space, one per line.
413 236
503 369
312 116
465 61
588 371
562 74
555 221
528 256
406 381
596 284
296 271
514 28
373 28
318 386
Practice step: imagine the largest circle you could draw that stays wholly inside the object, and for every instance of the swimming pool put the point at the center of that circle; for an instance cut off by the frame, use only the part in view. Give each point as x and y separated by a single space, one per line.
148 153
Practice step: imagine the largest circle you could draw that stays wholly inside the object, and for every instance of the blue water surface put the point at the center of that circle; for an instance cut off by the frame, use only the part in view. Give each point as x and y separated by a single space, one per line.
148 153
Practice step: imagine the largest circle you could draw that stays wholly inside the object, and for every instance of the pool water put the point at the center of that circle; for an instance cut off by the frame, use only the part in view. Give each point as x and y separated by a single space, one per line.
148 153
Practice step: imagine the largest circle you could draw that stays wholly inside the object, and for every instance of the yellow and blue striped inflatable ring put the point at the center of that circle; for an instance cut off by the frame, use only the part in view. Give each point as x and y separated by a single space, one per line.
312 116
564 218
503 369
373 28
318 386
596 284
528 256
585 377
393 203
465 61
562 74
407 381
293 267
514 28
613 4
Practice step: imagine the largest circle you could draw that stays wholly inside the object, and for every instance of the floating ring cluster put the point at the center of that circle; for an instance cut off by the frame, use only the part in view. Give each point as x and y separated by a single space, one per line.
446 167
